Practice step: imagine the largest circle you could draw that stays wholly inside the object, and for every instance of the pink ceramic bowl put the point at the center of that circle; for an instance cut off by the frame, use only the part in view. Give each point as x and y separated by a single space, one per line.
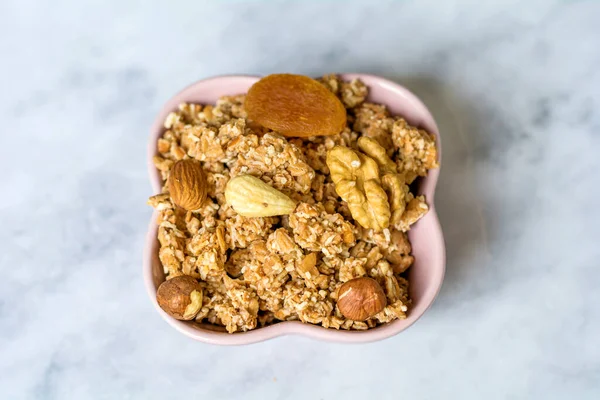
425 275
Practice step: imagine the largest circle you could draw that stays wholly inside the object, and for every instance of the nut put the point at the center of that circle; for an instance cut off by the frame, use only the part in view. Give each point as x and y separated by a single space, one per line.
416 208
251 197
361 298
397 192
356 179
187 184
377 152
392 182
180 297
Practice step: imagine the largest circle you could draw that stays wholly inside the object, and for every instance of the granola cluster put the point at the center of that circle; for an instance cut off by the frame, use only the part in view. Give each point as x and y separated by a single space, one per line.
256 271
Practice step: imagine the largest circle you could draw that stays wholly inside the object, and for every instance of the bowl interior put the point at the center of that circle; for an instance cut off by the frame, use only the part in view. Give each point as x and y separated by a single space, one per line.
425 275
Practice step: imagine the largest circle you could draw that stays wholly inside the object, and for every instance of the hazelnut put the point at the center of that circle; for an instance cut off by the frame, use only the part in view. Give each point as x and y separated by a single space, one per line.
180 297
187 184
361 298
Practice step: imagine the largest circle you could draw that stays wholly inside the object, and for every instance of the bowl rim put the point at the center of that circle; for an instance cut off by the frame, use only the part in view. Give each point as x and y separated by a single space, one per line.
284 328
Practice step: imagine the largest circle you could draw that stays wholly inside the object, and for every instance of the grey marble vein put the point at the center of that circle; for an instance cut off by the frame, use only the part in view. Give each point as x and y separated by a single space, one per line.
515 88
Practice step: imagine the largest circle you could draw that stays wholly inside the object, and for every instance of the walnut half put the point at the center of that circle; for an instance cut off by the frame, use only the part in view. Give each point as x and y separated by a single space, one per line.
377 194
393 183
356 178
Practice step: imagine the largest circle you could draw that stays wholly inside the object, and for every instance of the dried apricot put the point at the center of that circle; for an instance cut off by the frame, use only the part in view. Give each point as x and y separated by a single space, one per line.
295 105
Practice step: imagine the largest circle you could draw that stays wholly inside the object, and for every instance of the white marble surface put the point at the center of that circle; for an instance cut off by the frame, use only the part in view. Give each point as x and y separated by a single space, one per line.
515 88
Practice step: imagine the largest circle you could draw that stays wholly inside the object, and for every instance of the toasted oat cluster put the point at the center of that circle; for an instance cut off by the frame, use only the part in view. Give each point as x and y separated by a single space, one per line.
256 271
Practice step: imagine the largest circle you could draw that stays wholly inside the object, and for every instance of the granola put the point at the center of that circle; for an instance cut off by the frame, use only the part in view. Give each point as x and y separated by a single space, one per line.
257 271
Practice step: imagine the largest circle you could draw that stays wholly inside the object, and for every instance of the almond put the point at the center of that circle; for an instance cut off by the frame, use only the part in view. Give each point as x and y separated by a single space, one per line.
251 197
187 184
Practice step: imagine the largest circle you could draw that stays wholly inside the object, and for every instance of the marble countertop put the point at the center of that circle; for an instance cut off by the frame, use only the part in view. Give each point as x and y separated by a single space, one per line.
515 89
